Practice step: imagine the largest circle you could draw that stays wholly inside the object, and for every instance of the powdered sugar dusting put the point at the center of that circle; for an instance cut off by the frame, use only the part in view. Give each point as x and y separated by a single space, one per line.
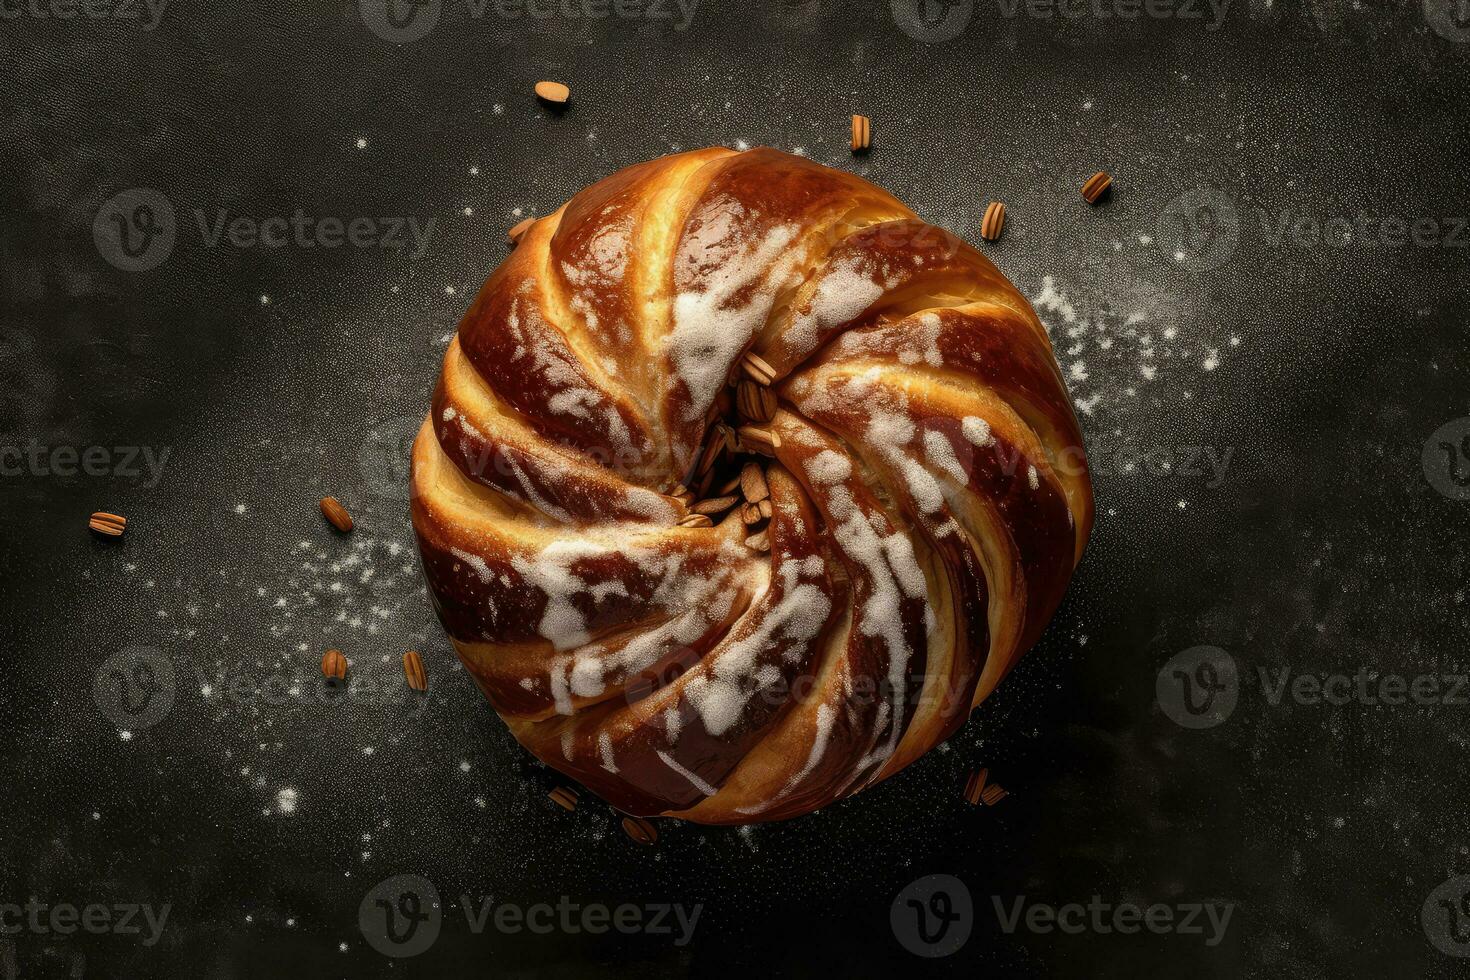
846 290
1111 358
714 323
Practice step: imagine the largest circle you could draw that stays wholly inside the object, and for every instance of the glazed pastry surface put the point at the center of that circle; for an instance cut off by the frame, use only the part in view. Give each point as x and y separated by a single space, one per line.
928 490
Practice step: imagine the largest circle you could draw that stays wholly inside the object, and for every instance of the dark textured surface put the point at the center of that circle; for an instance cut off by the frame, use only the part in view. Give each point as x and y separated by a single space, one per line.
252 808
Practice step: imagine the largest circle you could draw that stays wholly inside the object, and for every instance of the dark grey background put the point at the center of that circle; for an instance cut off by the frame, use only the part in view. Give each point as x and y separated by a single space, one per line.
252 807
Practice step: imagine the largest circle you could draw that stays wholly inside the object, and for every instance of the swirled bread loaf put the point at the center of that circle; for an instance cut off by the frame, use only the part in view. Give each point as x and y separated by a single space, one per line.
684 642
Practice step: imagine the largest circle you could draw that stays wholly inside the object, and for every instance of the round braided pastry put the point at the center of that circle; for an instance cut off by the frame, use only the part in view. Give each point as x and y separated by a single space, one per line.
742 485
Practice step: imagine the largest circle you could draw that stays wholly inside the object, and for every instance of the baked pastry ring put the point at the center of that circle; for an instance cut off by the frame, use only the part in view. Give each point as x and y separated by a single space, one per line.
927 495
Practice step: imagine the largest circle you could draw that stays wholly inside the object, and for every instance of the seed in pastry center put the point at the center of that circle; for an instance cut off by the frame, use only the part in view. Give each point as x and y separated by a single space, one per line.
714 505
753 483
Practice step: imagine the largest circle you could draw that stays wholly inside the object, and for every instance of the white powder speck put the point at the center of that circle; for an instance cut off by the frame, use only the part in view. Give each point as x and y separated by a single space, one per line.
976 430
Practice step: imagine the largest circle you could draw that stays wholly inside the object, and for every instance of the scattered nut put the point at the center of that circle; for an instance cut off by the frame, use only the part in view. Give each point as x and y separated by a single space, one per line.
337 514
1097 185
110 525
554 92
975 785
334 665
994 221
413 669
640 830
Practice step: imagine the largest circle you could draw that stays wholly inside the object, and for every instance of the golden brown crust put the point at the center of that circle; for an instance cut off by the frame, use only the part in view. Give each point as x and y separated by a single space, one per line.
928 491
